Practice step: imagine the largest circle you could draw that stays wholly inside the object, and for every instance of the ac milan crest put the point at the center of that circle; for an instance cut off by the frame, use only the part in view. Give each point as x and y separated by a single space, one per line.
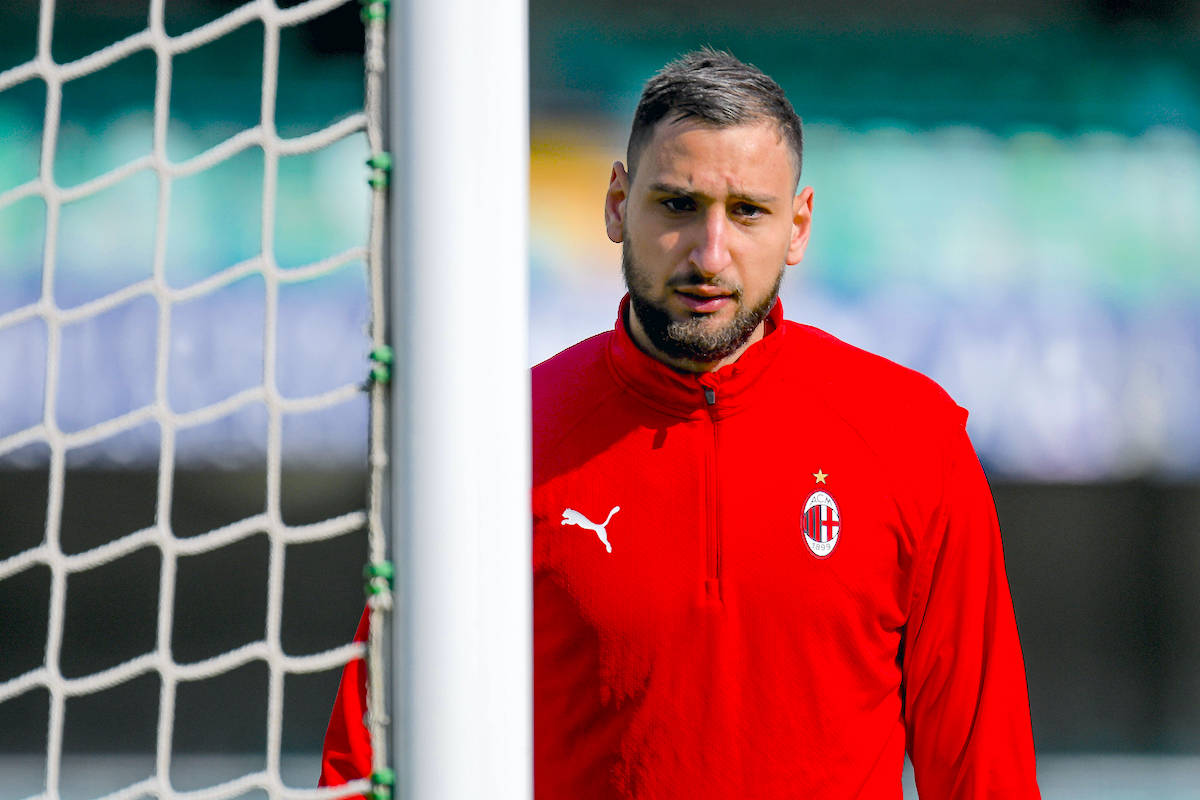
821 523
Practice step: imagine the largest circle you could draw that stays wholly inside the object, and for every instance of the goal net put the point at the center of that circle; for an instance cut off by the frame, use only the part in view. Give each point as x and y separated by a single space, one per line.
192 321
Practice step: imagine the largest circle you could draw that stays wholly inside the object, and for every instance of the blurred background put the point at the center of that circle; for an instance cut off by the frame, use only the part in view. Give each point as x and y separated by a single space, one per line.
1007 199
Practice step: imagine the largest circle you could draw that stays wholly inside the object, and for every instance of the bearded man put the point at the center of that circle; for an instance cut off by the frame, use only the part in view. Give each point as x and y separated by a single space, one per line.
766 564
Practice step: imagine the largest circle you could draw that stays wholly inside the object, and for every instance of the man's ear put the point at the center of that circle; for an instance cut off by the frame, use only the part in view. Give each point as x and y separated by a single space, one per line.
614 202
802 206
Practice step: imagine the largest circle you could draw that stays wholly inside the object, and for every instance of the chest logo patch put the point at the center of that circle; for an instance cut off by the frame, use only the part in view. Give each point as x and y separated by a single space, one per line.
821 523
573 517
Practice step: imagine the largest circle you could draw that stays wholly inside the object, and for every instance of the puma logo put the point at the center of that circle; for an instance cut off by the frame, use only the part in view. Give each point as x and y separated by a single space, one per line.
573 517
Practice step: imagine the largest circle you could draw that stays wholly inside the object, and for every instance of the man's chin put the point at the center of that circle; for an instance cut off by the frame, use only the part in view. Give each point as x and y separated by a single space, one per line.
683 335
703 339
708 326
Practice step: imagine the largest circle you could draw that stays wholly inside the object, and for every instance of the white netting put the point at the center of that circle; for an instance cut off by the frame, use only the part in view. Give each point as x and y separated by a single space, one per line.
49 553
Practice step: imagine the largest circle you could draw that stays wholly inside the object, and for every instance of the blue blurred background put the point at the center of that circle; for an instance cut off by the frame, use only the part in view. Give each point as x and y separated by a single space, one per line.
1007 199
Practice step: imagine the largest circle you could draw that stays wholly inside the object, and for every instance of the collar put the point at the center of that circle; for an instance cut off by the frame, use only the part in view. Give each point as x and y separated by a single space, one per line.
684 394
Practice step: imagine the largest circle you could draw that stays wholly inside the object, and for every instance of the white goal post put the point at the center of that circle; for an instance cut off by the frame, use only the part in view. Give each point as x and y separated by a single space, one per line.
461 520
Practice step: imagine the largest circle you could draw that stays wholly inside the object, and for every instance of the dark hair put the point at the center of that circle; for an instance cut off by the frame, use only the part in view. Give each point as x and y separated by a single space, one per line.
714 87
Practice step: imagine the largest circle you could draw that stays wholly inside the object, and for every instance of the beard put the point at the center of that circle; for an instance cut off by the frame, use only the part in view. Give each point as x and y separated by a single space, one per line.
695 338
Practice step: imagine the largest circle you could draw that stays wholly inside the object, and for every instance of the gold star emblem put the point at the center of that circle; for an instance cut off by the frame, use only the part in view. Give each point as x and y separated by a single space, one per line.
820 476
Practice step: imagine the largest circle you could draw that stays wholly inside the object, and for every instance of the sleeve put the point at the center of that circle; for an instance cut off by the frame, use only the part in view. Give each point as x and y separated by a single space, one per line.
965 694
347 752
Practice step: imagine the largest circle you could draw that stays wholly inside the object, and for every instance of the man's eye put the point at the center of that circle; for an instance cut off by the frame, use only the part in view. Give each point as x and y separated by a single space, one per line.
748 211
679 204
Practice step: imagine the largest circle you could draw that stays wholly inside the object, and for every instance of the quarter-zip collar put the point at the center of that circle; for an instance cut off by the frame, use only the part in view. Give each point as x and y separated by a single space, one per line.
685 394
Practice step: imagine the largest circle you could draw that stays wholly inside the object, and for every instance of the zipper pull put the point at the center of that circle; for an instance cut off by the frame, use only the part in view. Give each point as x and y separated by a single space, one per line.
710 395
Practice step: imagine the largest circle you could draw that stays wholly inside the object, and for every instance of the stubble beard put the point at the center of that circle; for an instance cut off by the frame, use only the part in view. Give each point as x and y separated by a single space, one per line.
694 338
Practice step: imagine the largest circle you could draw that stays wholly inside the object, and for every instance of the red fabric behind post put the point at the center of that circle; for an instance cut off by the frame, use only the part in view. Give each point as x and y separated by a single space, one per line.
347 753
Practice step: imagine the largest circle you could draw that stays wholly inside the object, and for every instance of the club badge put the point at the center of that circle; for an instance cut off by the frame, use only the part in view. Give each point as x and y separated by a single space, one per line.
821 523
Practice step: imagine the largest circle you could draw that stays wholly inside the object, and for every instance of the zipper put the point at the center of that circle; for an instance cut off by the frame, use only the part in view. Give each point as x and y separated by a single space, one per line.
712 577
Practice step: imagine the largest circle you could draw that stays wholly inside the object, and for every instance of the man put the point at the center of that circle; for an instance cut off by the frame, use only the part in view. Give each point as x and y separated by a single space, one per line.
765 563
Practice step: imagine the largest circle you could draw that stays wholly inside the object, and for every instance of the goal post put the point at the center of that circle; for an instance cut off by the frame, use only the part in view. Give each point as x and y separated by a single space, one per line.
462 634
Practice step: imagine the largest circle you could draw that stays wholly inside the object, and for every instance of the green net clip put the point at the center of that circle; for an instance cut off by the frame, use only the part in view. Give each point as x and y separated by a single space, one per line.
374 10
383 358
381 784
378 576
381 168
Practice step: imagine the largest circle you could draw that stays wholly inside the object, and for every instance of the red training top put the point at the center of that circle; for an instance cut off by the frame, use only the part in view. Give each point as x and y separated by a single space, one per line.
764 582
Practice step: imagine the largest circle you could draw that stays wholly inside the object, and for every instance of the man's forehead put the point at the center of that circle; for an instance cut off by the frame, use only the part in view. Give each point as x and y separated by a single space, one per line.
744 149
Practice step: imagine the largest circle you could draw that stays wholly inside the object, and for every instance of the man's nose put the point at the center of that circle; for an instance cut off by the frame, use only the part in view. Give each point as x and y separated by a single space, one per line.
711 252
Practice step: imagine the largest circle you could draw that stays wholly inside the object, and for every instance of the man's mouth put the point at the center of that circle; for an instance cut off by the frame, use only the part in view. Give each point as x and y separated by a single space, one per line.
702 299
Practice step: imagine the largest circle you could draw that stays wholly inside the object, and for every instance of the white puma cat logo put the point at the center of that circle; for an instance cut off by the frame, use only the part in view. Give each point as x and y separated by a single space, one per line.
573 517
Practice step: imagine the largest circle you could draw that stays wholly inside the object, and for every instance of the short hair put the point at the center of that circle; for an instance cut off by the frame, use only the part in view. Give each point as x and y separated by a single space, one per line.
713 86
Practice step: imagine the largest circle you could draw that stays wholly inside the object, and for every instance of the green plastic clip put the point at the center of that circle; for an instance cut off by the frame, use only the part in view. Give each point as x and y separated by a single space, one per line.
382 783
379 569
378 576
381 160
383 358
374 10
381 168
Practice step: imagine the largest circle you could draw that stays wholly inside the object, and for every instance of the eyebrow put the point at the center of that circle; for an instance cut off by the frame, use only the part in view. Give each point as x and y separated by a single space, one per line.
758 199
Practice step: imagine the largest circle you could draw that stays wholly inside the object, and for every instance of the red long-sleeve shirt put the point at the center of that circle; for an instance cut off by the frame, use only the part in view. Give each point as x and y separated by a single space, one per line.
766 581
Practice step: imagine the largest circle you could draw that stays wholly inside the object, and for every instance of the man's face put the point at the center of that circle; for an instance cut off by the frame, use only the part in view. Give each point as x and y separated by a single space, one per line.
707 223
